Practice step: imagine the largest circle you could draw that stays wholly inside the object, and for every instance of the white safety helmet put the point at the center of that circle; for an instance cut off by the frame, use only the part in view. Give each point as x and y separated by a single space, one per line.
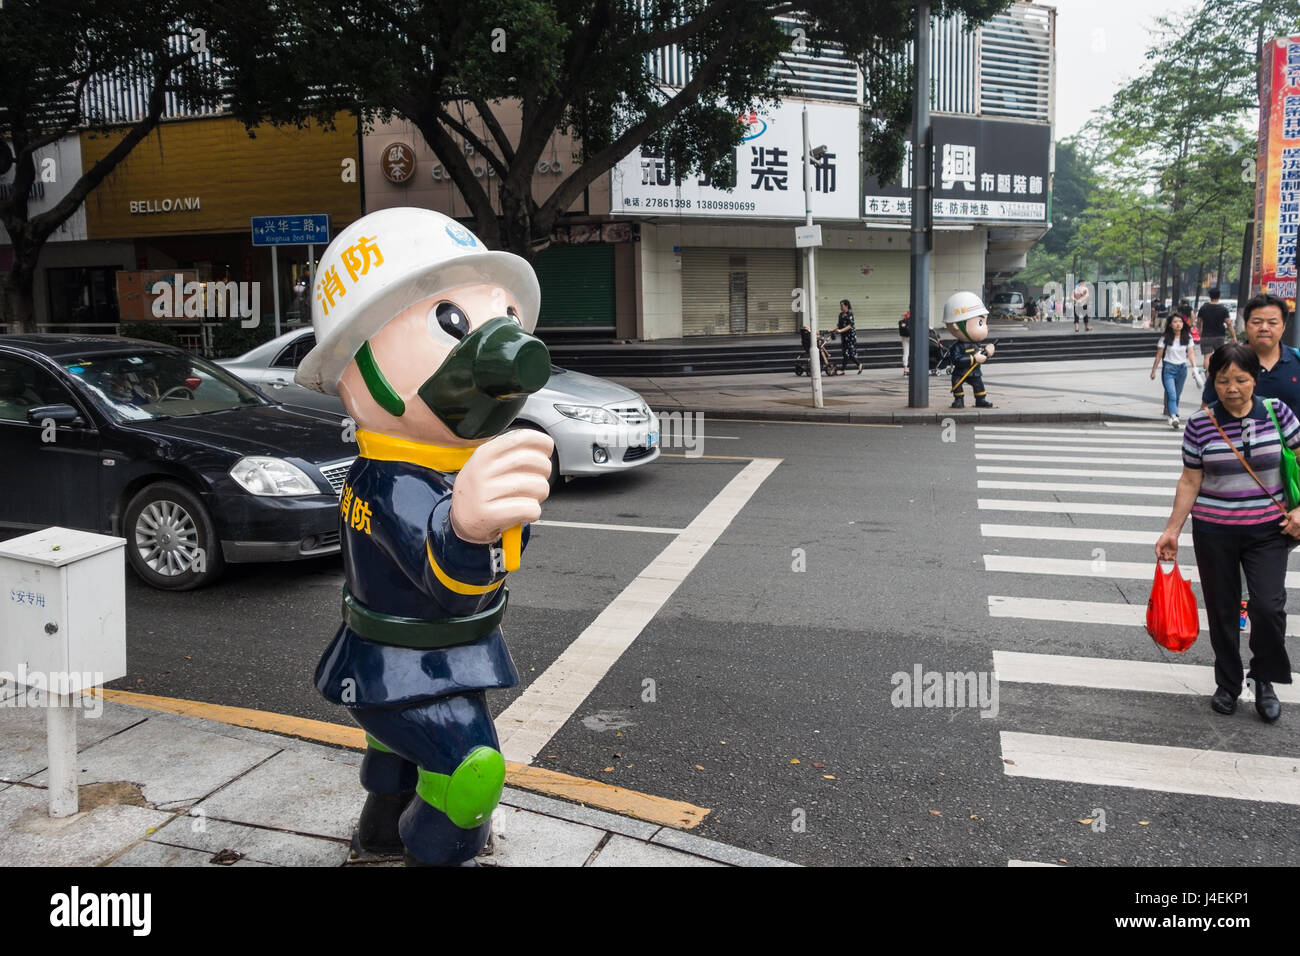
386 262
962 306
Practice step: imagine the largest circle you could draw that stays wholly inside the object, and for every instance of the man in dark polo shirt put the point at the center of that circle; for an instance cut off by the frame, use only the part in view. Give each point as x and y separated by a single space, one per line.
1214 321
1279 366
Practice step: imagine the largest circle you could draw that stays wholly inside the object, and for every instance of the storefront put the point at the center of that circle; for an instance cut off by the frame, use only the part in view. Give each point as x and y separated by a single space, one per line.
184 198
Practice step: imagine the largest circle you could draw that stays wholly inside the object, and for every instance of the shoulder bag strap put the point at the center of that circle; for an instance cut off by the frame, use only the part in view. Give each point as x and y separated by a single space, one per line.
1229 443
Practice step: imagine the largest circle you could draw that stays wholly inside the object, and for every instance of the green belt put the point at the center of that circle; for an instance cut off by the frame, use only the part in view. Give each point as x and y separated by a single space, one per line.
418 632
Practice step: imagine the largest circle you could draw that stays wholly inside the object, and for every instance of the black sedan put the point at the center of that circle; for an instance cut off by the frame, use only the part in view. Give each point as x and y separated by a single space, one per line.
185 461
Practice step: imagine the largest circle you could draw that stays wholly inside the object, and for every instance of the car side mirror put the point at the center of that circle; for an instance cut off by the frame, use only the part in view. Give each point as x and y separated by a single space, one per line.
59 414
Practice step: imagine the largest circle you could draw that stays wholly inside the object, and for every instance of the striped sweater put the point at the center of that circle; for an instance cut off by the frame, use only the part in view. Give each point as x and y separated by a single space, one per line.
1230 499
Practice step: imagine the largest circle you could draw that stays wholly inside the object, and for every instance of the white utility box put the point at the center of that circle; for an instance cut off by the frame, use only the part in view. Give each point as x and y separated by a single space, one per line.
62 631
63 605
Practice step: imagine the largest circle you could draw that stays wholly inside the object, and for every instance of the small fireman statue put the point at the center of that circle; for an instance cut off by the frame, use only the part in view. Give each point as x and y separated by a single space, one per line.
967 320
424 335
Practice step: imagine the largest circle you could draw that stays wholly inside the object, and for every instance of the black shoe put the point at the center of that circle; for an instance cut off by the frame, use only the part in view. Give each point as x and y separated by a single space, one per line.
958 403
1223 702
377 829
984 403
1266 703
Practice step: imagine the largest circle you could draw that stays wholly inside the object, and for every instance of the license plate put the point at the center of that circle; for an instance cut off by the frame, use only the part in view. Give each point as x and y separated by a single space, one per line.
652 439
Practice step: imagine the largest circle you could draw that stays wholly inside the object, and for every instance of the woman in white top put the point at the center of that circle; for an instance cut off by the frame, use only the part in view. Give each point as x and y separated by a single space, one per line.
1174 350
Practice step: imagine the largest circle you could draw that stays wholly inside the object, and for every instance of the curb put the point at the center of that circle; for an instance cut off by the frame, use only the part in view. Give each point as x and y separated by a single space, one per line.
918 416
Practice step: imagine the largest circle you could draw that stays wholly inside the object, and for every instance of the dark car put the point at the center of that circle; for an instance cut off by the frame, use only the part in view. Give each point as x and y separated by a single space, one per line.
188 463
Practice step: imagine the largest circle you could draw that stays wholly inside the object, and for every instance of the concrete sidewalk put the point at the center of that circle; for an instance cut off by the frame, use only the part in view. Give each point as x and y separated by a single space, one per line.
160 789
1118 389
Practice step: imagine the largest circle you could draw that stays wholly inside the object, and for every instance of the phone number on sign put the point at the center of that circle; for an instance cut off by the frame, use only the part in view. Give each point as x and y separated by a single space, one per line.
655 203
727 204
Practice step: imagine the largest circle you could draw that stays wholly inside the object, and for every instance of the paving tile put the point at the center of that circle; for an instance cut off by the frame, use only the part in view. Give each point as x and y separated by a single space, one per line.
621 851
733 856
30 837
174 765
525 838
159 854
613 822
257 844
295 792
22 736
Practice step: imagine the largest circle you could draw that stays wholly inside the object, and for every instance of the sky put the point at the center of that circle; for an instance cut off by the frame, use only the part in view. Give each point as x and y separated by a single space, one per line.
1100 44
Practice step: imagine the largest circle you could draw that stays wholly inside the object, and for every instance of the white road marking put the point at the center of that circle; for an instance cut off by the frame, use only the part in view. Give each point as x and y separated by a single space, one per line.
1113 763
1154 677
1173 452
1031 863
1087 612
1076 472
1151 431
1170 460
548 523
1103 535
1075 508
1171 442
536 715
1083 568
994 485
1129 425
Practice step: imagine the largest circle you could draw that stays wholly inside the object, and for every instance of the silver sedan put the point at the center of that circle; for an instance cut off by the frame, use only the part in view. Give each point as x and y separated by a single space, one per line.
598 426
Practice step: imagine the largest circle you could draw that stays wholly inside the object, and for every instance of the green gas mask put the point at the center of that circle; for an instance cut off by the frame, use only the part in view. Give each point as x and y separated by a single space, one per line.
480 386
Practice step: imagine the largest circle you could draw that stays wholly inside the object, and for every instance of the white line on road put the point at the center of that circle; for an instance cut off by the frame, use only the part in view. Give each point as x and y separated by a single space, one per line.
1169 461
1102 673
1113 763
988 484
1103 535
1100 432
1083 568
1074 439
548 523
1077 472
546 705
1086 612
1171 453
1075 508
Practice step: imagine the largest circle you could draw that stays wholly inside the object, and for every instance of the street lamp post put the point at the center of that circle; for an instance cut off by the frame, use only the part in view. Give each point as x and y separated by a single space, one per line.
918 389
810 272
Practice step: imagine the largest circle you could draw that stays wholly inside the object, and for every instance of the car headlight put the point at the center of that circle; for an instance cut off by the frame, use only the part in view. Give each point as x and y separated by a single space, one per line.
592 414
272 477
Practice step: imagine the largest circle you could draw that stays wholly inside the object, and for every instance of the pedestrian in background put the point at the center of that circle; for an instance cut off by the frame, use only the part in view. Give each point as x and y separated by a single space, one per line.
1172 356
1215 323
848 338
1231 485
1279 364
905 332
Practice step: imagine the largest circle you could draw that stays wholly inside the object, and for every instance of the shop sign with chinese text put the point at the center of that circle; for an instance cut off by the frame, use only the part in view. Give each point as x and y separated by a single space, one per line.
1277 189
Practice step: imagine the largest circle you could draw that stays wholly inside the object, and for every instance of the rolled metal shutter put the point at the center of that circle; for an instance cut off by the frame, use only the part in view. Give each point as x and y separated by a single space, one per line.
737 290
577 287
879 297
706 291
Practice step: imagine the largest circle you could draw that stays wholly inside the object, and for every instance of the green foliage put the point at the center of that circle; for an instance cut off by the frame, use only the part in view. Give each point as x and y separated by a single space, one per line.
150 332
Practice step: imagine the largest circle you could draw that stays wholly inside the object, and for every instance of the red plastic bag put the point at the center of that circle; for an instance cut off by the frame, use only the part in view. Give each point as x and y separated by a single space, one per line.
1172 619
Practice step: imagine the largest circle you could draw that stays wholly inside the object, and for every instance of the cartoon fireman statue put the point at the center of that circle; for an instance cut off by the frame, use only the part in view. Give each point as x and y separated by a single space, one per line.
967 320
424 335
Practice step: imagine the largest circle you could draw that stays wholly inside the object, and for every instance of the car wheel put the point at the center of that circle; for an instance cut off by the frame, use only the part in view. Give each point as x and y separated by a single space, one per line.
170 540
554 478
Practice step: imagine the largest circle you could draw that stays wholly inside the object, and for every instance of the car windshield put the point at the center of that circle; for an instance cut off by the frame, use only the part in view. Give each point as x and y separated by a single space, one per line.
146 385
1004 297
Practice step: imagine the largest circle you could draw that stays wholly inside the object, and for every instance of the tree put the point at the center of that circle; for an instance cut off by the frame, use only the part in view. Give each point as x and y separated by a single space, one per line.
579 66
55 56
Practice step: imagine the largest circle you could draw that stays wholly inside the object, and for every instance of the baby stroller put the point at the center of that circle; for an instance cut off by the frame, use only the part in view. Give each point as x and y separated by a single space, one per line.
939 360
801 357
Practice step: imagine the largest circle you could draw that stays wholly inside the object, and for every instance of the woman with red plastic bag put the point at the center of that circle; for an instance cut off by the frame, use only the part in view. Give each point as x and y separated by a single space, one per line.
1239 523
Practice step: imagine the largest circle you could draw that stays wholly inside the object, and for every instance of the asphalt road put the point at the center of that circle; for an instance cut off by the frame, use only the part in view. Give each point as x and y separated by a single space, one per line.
773 664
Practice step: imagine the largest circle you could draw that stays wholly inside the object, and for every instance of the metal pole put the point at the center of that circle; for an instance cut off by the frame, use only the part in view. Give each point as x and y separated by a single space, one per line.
810 293
61 744
275 288
918 387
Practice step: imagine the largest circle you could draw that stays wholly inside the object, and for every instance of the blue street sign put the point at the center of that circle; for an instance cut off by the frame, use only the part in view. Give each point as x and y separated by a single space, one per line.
306 230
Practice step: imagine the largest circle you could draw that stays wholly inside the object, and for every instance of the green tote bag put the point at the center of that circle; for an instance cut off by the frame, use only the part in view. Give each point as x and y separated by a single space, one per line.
1289 469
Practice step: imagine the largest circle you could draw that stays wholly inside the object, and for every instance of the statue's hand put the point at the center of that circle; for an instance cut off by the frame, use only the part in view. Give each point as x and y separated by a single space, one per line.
502 485
990 349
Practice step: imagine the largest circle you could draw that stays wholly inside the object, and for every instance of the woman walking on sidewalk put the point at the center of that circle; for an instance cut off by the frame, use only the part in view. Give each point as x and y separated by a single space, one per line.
905 332
849 338
1231 485
1172 357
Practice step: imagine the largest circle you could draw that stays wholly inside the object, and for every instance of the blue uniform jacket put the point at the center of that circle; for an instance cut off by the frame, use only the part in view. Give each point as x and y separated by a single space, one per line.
402 558
962 356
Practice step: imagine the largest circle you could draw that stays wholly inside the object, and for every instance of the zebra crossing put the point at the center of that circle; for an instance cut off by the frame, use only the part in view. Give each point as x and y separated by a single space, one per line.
1059 484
